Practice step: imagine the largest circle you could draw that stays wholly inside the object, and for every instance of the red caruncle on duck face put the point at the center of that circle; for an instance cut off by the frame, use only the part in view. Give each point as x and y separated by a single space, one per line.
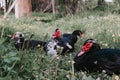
57 34
87 46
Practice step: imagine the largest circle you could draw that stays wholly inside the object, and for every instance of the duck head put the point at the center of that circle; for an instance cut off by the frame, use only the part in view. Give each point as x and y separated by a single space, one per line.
18 37
78 33
89 46
57 34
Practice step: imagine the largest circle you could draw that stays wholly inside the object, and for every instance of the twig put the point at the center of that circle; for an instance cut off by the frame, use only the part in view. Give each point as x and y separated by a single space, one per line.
72 70
29 40
2 32
47 7
12 68
6 14
56 67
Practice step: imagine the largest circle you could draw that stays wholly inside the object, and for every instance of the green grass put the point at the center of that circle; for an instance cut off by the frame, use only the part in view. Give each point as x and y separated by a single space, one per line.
25 65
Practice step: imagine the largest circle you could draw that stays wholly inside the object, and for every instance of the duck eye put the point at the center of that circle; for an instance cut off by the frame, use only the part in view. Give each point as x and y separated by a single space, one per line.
20 35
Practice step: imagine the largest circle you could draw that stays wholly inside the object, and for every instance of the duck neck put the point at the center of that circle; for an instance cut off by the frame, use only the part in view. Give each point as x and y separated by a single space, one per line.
19 41
75 38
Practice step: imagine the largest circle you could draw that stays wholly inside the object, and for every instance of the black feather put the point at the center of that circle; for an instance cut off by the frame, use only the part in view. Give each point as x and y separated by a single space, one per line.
99 60
71 39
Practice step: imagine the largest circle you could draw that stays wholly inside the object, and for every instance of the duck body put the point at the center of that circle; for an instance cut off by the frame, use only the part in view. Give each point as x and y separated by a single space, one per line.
98 60
22 44
104 59
68 41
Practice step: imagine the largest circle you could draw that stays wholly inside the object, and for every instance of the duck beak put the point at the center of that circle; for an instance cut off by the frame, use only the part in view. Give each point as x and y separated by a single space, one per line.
13 37
80 53
81 34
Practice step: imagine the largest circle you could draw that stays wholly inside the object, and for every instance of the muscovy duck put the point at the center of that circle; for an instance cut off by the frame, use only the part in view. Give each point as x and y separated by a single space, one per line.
93 59
21 43
65 41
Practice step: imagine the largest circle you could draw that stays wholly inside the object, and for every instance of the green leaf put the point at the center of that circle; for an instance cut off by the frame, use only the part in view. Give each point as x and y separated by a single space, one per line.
10 54
11 57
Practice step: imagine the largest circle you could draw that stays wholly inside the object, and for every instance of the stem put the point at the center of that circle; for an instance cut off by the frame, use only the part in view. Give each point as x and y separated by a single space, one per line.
72 70
2 32
11 68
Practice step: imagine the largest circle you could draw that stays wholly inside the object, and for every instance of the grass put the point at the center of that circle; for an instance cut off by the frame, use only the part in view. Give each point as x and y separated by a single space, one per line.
35 64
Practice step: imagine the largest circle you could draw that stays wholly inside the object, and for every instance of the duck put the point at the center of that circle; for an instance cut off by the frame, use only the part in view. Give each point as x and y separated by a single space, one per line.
92 58
21 43
64 41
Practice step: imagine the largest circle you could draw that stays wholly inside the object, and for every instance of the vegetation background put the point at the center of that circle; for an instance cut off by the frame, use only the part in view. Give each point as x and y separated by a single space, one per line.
96 18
